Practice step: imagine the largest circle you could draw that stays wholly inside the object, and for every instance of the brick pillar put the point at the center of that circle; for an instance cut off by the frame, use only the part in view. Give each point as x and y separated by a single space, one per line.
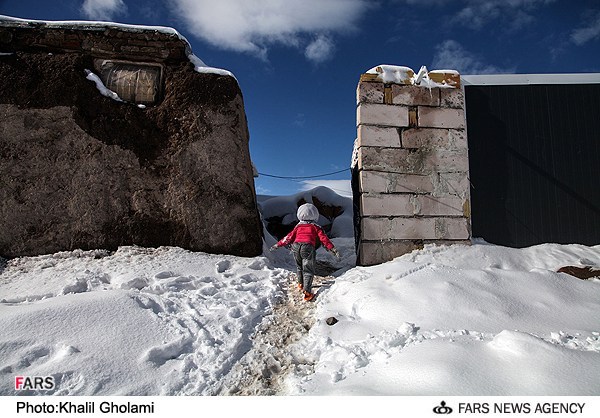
413 168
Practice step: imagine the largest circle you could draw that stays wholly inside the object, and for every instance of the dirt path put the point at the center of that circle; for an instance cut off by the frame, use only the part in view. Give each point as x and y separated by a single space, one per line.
263 369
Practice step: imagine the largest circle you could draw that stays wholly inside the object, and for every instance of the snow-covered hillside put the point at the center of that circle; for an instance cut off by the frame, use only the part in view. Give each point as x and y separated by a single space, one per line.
461 320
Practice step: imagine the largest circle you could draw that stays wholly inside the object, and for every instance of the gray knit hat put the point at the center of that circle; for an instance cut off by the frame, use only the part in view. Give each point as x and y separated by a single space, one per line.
308 213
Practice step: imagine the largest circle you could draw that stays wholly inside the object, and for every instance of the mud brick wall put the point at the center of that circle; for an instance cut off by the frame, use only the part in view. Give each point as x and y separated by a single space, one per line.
412 169
80 170
102 41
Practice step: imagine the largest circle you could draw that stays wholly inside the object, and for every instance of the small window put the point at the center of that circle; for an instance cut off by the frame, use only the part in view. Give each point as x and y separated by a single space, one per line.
137 83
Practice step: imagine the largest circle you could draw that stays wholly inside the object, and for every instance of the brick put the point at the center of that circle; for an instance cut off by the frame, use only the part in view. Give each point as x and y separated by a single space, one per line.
431 117
371 253
368 77
137 42
388 204
446 161
377 136
453 98
126 48
415 228
410 205
380 114
456 184
434 138
399 228
452 228
415 95
427 205
369 93
392 160
447 78
378 182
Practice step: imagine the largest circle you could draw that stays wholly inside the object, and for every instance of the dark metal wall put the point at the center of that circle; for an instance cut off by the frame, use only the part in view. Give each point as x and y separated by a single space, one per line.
534 155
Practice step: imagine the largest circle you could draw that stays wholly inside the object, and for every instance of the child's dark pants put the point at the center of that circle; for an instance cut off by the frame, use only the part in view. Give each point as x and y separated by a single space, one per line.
305 256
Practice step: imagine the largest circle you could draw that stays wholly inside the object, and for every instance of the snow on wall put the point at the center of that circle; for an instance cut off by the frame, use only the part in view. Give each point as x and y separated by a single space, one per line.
156 43
394 74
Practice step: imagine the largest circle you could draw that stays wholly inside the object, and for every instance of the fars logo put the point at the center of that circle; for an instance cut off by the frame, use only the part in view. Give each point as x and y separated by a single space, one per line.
34 382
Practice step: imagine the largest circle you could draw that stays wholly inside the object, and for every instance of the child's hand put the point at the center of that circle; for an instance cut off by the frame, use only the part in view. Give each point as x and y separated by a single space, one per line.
335 252
274 247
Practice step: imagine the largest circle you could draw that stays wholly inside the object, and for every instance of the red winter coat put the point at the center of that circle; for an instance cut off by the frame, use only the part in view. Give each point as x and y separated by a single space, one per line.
306 233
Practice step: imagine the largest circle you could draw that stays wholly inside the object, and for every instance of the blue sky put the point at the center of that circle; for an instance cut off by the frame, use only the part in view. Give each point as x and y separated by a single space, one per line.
298 62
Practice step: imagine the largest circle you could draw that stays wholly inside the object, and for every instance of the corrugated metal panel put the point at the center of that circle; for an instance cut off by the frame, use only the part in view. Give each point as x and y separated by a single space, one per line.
534 155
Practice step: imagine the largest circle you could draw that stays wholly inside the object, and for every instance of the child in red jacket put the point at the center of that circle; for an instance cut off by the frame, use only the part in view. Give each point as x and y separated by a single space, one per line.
303 239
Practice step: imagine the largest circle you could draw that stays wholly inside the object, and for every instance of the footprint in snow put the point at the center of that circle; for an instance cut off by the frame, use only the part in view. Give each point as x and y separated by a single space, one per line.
164 275
209 291
32 356
222 266
159 355
136 283
257 264
79 286
235 312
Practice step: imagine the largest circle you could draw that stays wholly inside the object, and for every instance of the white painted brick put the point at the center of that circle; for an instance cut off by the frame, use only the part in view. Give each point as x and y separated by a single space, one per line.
378 136
421 161
379 252
428 205
453 98
452 228
456 183
388 205
447 161
434 137
378 182
433 117
391 160
415 96
398 228
372 253
383 115
369 93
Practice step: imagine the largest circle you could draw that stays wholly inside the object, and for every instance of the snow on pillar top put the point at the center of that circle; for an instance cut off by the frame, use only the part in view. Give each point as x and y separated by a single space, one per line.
394 74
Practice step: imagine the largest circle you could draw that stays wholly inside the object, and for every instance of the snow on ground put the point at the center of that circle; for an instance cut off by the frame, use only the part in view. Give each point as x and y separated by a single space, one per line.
141 321
460 320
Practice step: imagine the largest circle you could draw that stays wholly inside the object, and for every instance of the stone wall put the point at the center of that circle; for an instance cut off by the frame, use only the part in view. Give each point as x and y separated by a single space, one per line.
412 169
80 170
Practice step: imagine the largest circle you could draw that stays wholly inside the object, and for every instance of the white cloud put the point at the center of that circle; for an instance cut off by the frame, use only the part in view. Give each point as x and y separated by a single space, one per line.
589 32
253 26
103 9
451 55
477 13
319 50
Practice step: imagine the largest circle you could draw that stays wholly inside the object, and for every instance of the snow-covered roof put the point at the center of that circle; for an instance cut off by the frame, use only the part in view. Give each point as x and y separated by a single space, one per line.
199 65
524 79
87 25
